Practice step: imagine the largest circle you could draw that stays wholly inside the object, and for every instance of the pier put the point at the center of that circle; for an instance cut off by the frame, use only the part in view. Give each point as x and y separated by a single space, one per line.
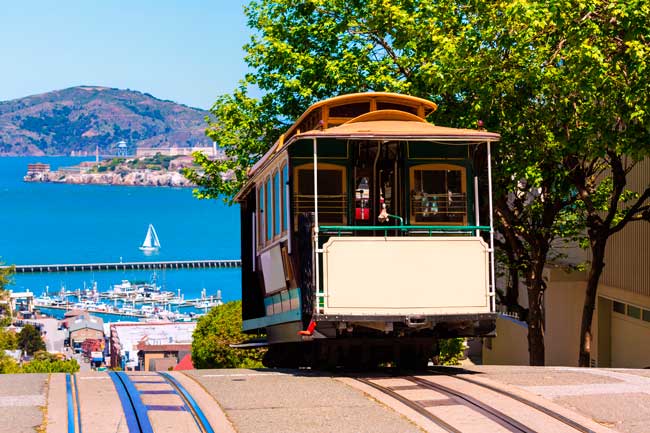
126 266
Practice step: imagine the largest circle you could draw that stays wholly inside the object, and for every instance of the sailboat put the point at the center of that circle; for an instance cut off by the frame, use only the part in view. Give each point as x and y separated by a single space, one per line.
151 241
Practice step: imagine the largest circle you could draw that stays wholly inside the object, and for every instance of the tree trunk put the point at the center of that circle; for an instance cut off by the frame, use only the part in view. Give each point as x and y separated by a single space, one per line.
535 326
535 318
597 265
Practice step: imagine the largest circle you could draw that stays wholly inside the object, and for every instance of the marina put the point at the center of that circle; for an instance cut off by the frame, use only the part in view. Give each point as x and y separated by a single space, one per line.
131 300
89 239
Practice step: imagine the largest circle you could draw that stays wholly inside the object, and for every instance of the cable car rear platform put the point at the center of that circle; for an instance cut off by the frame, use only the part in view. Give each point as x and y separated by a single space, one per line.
442 326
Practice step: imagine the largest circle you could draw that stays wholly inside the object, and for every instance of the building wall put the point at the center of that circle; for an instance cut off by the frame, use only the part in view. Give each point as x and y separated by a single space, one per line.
84 334
623 340
510 347
563 301
627 259
148 357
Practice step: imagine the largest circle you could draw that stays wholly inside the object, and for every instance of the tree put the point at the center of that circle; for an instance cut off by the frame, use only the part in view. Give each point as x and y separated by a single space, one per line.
8 340
45 362
8 365
5 305
30 340
521 67
214 334
610 131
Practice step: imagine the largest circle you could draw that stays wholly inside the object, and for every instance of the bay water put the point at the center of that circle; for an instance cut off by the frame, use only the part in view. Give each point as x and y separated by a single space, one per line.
45 223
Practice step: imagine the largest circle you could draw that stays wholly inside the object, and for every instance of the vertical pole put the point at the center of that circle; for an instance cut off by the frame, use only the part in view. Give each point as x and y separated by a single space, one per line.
319 293
254 238
315 145
492 277
477 218
287 210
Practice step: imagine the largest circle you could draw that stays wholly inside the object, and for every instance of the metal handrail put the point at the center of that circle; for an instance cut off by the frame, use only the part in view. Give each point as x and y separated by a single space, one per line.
430 229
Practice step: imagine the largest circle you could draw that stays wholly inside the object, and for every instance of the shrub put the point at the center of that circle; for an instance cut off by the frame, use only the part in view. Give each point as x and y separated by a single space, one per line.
451 351
212 338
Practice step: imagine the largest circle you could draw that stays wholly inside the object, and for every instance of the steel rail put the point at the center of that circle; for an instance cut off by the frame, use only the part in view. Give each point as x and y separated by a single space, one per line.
68 391
563 419
411 405
135 411
76 394
192 406
508 422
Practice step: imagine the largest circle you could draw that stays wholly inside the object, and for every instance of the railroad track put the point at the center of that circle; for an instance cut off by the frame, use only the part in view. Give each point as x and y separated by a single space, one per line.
477 406
139 413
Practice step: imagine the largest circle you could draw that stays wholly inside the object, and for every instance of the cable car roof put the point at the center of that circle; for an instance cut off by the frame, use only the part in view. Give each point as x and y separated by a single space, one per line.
394 124
377 124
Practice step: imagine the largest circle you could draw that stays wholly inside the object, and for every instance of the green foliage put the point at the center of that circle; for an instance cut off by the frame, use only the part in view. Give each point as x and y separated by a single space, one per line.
451 351
5 308
29 340
156 162
8 340
5 277
215 332
8 365
45 362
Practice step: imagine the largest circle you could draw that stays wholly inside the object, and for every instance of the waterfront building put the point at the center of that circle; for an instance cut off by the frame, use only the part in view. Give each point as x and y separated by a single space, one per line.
37 167
127 341
161 357
85 327
212 152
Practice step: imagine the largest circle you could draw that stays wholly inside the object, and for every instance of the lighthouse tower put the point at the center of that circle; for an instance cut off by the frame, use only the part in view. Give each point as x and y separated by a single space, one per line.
121 148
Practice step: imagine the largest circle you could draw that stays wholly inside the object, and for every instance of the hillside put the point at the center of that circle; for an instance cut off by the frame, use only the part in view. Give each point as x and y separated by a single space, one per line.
79 118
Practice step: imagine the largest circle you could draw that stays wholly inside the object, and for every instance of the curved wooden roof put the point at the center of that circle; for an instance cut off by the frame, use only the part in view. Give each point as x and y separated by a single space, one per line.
404 119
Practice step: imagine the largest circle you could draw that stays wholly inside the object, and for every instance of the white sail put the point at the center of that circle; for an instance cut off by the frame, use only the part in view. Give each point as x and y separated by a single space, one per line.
151 241
154 235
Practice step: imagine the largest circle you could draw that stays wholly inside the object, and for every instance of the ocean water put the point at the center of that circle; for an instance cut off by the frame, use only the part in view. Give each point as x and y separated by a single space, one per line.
43 223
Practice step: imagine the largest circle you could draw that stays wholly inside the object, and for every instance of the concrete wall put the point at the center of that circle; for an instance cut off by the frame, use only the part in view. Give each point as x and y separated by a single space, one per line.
564 300
618 339
510 347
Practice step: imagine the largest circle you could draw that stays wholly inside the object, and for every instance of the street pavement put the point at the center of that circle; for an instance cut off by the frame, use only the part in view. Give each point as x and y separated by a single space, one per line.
54 337
298 401
22 400
294 401
614 398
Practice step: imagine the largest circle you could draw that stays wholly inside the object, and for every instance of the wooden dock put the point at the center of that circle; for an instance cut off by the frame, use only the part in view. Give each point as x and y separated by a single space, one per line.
126 266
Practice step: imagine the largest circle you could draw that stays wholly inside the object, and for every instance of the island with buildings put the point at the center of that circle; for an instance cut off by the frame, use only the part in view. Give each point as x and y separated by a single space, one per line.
149 167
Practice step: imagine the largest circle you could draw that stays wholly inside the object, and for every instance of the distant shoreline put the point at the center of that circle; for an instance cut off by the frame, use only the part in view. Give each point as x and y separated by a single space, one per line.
158 170
133 178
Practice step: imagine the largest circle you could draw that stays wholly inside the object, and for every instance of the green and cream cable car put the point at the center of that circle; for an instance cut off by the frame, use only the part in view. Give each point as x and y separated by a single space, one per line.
367 235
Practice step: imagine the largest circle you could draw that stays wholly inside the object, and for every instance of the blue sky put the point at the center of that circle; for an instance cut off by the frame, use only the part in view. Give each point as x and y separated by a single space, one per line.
188 51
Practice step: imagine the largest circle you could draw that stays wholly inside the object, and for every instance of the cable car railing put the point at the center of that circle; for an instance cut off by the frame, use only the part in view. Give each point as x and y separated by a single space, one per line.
430 230
438 208
331 208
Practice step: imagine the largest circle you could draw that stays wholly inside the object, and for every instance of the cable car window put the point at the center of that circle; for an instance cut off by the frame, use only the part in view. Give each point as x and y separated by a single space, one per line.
277 195
285 208
438 194
393 106
268 209
332 196
350 110
260 215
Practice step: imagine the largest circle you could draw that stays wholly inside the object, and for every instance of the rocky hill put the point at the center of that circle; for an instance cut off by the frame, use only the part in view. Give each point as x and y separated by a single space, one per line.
80 118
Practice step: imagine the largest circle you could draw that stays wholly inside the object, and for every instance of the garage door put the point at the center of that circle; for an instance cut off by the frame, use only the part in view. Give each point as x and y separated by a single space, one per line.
630 342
